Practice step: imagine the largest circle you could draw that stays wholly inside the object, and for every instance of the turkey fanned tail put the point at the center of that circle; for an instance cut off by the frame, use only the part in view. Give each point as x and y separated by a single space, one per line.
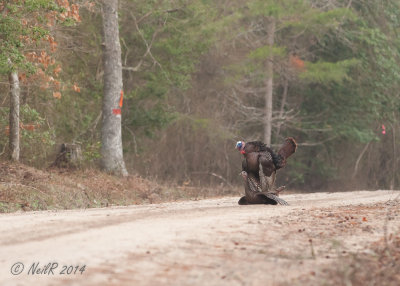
254 195
286 150
276 198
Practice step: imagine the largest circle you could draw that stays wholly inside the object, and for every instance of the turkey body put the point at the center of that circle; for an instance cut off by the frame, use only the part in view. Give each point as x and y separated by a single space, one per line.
259 168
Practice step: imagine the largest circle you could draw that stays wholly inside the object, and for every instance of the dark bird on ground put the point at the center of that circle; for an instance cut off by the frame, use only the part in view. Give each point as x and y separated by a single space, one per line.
259 167
261 162
254 195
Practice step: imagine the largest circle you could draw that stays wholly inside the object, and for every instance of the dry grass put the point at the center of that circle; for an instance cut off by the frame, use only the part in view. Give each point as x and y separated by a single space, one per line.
26 188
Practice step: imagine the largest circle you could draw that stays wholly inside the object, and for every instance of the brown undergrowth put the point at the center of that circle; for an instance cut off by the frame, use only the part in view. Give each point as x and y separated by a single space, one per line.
26 188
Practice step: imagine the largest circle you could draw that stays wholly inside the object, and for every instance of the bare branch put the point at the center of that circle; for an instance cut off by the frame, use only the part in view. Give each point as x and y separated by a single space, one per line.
148 46
310 144
133 69
215 175
359 159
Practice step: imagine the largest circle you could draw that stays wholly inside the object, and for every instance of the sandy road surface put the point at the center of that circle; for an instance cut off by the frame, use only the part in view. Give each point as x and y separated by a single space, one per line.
206 242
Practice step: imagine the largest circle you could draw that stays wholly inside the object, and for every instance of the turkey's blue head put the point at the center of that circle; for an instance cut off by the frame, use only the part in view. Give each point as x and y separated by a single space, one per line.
240 146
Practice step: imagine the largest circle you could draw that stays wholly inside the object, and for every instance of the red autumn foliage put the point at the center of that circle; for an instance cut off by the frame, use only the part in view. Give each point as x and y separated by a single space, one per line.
297 63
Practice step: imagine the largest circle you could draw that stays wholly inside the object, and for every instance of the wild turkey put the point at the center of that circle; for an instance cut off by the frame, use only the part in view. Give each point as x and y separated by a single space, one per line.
254 194
261 162
259 167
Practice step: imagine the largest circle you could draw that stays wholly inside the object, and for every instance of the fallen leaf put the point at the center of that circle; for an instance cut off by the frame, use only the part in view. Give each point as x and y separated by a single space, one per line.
76 88
57 94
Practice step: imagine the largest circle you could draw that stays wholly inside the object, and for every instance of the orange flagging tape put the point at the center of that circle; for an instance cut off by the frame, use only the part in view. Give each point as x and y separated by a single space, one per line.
121 99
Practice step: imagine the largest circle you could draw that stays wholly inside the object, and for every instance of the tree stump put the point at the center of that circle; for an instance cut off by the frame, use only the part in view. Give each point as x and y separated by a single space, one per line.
69 156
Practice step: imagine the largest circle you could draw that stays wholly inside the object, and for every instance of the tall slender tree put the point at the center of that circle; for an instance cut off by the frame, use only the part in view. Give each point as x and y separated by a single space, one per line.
14 106
14 115
111 135
269 83
25 26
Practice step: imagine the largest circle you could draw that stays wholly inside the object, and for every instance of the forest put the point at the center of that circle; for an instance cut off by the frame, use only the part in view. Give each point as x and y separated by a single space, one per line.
199 75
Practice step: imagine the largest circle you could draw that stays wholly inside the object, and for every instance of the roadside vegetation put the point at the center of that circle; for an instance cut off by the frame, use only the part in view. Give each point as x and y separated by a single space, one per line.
196 79
24 188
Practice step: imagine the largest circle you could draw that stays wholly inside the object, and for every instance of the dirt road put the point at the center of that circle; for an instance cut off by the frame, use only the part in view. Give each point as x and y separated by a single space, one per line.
206 242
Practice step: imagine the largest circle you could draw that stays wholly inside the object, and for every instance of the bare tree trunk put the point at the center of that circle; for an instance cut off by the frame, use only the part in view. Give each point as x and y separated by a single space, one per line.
282 109
394 171
111 137
269 85
359 159
14 115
